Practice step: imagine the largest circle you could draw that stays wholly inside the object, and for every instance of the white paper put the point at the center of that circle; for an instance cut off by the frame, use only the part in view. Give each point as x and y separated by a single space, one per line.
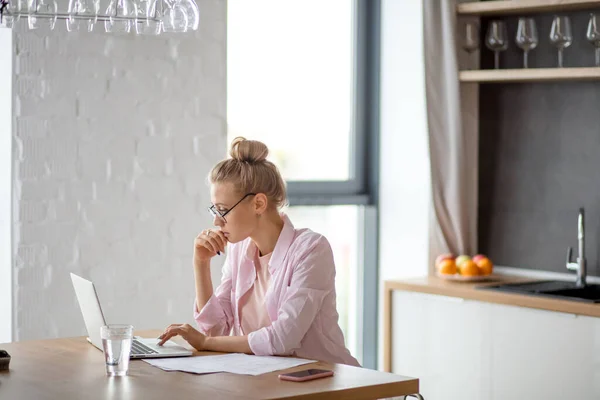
242 364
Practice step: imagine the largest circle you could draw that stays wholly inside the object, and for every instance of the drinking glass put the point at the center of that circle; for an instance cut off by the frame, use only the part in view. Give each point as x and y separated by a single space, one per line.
593 36
116 342
561 35
496 40
527 37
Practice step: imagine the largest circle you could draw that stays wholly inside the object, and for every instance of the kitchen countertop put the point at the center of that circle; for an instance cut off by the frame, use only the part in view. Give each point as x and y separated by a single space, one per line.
467 290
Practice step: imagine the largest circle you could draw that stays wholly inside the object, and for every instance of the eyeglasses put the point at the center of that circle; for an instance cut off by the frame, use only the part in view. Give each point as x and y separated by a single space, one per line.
216 213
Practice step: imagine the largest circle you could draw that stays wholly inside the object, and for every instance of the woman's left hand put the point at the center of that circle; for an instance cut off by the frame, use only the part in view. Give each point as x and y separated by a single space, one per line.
191 335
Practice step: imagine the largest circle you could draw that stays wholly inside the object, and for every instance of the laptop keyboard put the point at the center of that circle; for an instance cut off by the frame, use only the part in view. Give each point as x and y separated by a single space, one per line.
138 348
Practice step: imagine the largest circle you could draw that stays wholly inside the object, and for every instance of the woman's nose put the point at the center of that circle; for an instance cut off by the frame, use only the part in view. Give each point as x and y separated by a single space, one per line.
218 221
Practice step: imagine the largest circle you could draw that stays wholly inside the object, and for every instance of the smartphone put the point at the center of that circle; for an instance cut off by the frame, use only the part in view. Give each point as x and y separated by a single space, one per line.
306 375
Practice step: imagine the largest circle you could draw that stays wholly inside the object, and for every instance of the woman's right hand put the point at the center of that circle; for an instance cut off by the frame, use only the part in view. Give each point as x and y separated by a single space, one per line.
207 244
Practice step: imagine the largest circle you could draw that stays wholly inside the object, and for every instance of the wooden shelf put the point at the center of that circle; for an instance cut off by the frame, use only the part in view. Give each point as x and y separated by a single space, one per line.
507 7
531 75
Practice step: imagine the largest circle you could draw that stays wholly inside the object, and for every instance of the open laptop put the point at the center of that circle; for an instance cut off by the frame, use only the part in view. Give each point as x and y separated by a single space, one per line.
94 319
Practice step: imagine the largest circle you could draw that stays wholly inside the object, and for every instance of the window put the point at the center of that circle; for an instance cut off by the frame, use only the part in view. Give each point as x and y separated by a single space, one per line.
290 83
302 76
339 224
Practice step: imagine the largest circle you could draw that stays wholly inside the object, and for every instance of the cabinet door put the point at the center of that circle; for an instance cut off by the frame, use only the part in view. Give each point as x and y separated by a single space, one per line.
443 341
546 355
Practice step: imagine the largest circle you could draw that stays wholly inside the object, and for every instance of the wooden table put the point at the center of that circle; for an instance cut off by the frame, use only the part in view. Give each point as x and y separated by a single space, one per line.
74 369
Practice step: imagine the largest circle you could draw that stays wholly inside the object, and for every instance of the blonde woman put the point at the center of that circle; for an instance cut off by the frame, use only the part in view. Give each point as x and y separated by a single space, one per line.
277 294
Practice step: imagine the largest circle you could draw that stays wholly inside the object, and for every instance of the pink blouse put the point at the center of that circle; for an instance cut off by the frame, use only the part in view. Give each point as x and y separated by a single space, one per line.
300 299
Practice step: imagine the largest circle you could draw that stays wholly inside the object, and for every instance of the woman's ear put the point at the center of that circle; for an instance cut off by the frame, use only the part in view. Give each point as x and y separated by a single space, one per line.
260 203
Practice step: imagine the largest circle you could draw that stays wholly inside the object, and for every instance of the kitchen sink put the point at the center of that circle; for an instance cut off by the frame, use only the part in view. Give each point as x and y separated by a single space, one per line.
555 289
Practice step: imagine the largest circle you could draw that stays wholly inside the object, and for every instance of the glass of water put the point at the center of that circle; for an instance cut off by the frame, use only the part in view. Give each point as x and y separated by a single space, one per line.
116 342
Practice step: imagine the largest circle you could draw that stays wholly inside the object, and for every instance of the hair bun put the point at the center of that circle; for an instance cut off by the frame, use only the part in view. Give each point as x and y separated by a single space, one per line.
251 151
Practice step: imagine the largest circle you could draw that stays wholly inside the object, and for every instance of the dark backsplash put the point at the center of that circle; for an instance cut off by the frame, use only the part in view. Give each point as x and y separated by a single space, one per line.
539 159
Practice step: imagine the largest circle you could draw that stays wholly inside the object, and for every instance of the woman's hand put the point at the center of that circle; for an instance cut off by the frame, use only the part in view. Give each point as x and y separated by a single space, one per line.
191 335
207 244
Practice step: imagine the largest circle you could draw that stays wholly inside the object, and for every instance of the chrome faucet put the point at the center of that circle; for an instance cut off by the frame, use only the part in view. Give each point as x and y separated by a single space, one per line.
579 266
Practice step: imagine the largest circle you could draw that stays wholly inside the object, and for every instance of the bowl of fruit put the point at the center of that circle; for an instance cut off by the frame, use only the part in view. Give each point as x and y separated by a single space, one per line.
464 268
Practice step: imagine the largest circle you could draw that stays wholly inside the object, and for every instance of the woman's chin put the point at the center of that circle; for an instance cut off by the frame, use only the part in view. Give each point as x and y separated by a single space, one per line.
231 239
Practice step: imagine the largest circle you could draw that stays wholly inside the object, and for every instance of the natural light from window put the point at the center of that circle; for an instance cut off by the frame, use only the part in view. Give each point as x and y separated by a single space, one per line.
290 84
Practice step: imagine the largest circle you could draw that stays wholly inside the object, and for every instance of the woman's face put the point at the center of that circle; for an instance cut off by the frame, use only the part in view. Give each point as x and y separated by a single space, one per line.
239 222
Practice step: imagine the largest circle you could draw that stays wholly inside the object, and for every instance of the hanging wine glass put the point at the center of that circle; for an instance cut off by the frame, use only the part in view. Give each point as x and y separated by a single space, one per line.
80 9
46 14
193 13
14 7
120 13
175 18
148 22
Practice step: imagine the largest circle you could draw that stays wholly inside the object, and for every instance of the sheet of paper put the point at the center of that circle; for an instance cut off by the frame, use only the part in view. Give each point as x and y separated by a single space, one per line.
242 364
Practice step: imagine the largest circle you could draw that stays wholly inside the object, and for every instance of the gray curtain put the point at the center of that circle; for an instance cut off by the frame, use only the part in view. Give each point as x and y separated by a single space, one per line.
452 110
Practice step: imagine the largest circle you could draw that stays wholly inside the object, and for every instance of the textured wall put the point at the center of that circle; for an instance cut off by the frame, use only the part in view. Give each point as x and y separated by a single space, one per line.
538 164
539 146
112 142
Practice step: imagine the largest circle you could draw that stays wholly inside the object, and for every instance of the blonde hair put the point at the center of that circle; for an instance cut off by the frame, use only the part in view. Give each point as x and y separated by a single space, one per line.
250 171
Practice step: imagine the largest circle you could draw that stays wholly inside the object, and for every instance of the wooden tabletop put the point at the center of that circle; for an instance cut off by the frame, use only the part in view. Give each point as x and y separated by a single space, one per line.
74 369
468 290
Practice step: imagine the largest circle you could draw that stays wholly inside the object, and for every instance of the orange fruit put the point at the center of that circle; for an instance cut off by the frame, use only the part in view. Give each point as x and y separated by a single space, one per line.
485 265
469 268
447 266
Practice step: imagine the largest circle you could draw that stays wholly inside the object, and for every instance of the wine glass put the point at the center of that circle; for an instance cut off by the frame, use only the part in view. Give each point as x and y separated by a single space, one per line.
593 36
496 40
82 8
193 13
527 37
561 36
175 17
14 6
117 11
47 7
471 42
148 22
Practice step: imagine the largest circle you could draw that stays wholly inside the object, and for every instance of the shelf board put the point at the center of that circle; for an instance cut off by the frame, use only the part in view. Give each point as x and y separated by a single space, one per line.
507 7
531 75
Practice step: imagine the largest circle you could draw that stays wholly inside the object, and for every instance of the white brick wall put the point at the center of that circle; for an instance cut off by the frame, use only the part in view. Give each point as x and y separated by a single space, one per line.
6 67
113 139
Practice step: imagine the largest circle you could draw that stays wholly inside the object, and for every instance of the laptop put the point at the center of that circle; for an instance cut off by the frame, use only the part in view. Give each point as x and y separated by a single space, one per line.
94 319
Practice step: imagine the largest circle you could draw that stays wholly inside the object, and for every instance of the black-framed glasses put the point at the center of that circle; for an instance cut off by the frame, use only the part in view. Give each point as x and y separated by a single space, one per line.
216 213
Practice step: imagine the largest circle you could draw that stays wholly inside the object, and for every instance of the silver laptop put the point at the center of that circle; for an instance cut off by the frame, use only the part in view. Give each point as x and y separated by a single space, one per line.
94 319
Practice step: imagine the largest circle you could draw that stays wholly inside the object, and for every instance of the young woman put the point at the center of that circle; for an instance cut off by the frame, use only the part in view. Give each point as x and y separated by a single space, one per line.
277 294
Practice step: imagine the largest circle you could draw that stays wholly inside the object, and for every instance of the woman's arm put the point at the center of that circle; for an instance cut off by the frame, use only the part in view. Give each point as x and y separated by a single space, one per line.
223 344
204 287
228 344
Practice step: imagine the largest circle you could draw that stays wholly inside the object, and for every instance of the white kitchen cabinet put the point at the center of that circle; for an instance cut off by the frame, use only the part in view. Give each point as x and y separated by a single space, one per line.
465 349
539 354
442 341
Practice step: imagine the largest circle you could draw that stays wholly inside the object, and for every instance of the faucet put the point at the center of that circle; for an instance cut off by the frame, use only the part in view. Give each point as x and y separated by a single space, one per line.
580 265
